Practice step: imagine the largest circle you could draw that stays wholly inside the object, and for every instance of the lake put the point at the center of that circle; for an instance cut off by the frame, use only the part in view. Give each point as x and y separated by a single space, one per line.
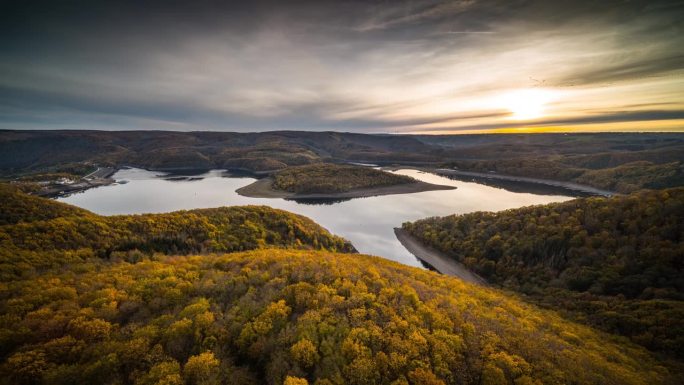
367 222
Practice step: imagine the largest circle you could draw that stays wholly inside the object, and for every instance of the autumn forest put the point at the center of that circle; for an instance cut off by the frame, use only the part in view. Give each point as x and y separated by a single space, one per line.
155 299
341 192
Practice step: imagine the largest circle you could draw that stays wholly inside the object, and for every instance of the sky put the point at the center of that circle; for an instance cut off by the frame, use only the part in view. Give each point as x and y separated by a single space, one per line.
389 66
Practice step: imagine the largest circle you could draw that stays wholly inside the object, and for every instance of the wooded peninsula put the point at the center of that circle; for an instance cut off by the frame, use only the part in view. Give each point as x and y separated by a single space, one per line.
325 180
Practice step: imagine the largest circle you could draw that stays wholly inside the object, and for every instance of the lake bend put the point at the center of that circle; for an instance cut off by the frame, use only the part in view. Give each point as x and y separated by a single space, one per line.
367 222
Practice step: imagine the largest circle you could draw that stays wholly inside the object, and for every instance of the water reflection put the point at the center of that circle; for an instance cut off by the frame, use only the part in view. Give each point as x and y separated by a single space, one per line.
183 178
318 201
367 222
181 172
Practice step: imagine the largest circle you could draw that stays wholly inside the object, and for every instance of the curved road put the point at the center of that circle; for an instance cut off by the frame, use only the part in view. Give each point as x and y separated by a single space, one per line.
512 178
442 263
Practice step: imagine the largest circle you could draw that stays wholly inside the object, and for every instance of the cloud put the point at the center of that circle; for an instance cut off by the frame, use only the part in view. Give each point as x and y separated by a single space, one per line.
360 66
595 119
665 65
415 12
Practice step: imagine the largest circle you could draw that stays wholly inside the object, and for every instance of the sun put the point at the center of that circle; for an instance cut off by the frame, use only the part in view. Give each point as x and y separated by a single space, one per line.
526 104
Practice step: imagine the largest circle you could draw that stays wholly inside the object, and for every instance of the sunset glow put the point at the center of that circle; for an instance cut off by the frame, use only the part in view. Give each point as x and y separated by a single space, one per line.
526 104
402 67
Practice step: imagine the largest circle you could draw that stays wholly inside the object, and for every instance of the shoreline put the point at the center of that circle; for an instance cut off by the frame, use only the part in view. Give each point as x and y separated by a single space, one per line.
438 260
262 189
511 178
100 177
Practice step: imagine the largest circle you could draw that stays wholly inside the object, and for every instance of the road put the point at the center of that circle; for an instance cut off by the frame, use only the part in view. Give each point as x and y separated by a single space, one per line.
100 173
548 182
441 262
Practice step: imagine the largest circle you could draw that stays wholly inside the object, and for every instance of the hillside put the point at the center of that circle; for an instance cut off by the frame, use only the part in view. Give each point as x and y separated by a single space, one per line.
52 151
17 206
90 299
612 161
618 162
37 233
616 264
263 316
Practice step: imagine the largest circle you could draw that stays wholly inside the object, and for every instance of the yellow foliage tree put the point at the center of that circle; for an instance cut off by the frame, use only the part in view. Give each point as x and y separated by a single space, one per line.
202 369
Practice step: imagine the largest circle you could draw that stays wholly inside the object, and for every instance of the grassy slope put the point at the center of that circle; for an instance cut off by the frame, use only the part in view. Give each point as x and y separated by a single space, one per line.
332 178
613 263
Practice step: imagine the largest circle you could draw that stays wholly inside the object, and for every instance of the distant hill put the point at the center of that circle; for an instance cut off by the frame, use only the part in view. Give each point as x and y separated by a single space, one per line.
616 264
621 162
613 161
22 151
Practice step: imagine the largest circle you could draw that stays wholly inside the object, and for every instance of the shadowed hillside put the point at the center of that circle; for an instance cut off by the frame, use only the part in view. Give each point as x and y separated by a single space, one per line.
617 162
38 150
616 264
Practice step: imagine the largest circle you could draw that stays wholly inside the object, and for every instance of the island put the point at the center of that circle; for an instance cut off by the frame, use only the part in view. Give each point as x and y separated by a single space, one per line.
329 181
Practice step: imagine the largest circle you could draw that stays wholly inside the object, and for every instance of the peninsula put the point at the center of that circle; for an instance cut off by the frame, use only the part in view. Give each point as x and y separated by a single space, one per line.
325 180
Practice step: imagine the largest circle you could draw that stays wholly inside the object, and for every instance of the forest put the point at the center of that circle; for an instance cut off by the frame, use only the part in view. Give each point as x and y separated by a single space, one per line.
127 309
37 233
334 178
613 263
623 178
620 162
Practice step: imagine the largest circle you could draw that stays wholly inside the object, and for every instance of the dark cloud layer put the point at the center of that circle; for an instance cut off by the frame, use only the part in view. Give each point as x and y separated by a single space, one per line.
367 66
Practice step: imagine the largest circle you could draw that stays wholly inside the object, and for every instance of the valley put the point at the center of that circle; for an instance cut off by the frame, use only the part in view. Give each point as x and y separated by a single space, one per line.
619 162
583 272
434 192
136 311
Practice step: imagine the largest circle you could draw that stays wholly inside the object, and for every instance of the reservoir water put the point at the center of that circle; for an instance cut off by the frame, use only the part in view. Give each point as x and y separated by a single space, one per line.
367 222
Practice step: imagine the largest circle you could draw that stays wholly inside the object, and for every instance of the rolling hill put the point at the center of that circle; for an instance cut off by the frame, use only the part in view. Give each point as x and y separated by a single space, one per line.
37 233
613 263
614 161
295 314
